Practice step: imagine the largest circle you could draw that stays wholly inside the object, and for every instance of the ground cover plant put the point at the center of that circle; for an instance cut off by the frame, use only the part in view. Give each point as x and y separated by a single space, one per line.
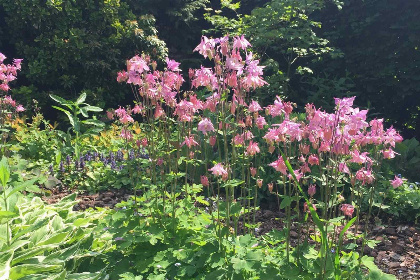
198 163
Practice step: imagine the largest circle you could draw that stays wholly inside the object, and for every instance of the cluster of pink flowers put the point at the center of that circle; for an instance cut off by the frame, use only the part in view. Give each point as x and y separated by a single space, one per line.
347 209
8 101
8 72
342 133
219 170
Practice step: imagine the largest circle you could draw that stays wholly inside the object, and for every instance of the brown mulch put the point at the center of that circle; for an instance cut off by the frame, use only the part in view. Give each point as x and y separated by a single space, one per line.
397 253
102 199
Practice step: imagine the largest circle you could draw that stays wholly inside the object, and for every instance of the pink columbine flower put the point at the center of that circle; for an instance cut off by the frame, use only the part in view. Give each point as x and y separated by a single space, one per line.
359 157
312 190
122 76
126 134
172 65
254 107
205 125
259 183
120 112
218 170
347 209
204 181
389 153
298 175
126 119
4 87
313 160
304 149
305 168
240 43
189 141
365 176
20 108
397 182
252 148
206 47
137 109
279 165
159 112
238 140
144 142
342 167
260 122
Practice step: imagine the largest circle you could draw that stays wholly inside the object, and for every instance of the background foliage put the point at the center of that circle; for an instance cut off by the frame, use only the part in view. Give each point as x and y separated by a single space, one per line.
313 49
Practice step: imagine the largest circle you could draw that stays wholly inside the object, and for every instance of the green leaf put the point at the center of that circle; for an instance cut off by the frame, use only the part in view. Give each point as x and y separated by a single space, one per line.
21 256
369 263
19 271
287 200
7 214
54 239
60 100
93 108
22 186
4 171
376 274
84 276
81 98
5 260
240 265
72 121
94 122
84 112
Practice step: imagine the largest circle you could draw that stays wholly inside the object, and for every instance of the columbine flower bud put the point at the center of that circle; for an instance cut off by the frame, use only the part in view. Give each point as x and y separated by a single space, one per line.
312 190
253 171
270 187
212 140
204 181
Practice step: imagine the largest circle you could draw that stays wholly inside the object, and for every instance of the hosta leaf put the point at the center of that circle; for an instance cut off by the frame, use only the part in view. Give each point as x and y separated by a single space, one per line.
5 260
7 214
33 227
29 253
54 239
4 171
20 271
57 276
16 245
85 276
62 255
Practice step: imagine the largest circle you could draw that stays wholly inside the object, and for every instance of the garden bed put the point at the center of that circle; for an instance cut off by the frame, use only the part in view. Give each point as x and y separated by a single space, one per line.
397 251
